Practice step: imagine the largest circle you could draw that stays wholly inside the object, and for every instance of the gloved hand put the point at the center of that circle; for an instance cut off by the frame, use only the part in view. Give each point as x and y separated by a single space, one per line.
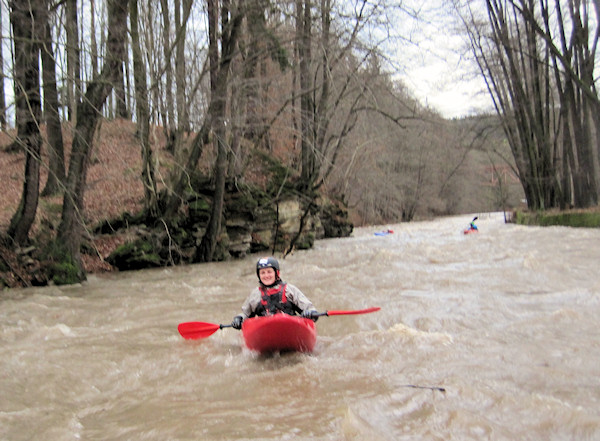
310 314
236 323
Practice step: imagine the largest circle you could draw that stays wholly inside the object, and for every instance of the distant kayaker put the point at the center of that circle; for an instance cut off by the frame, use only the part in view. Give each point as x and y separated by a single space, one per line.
274 295
472 225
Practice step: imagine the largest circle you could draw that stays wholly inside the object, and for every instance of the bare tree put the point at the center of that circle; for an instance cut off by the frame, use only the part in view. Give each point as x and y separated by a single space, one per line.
580 106
221 51
181 80
256 37
541 80
93 43
307 117
143 114
73 59
2 91
70 230
331 93
120 91
168 112
56 166
26 31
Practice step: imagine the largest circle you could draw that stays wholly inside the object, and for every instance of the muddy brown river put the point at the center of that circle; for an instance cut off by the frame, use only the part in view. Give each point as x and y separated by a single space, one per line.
488 336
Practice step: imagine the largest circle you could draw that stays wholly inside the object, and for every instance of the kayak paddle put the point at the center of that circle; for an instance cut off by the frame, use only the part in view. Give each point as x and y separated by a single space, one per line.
356 311
197 330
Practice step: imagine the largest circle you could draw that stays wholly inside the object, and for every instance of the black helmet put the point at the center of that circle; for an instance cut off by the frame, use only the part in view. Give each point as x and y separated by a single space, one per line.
267 262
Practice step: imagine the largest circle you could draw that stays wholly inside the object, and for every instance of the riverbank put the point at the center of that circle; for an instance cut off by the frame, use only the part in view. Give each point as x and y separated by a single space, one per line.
114 195
578 218
113 187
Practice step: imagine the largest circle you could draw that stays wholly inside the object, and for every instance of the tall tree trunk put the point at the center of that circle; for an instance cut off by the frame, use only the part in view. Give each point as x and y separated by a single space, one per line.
183 123
168 117
143 114
255 13
73 60
217 112
120 95
219 77
70 230
56 171
28 110
93 43
304 20
174 199
320 119
2 92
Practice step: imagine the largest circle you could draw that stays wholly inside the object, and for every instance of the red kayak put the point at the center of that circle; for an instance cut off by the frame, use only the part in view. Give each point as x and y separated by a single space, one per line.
279 332
470 231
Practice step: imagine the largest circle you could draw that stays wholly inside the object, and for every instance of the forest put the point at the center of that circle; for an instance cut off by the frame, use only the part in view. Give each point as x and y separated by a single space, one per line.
268 103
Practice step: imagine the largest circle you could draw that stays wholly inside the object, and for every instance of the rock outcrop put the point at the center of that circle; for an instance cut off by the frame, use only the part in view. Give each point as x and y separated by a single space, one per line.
253 221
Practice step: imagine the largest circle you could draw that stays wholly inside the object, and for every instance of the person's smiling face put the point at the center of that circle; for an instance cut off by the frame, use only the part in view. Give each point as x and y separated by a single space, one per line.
267 276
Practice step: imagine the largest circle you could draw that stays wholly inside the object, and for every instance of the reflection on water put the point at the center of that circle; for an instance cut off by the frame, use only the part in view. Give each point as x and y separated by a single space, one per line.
487 336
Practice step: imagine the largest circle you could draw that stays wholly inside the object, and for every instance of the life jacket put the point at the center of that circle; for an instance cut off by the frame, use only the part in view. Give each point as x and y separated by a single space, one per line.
274 300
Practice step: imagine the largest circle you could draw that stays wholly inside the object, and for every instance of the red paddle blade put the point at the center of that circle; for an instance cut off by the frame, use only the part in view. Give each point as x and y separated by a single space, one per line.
357 311
197 330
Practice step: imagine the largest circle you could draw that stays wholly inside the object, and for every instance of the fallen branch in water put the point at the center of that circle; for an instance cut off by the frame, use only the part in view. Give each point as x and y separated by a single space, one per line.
414 386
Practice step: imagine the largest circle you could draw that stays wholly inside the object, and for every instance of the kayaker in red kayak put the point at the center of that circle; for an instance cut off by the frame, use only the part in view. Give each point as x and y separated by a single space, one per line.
273 296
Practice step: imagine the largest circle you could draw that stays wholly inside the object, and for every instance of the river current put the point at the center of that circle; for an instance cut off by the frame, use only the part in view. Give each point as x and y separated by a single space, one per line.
487 336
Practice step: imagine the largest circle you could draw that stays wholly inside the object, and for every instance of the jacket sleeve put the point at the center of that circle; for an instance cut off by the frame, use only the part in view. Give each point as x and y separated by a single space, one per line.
250 304
299 299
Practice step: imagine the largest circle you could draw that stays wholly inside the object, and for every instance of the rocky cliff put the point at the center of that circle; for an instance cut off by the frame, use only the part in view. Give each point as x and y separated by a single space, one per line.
254 220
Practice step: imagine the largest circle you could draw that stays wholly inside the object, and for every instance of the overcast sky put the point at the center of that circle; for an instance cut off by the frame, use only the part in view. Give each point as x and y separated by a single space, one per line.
435 66
448 85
